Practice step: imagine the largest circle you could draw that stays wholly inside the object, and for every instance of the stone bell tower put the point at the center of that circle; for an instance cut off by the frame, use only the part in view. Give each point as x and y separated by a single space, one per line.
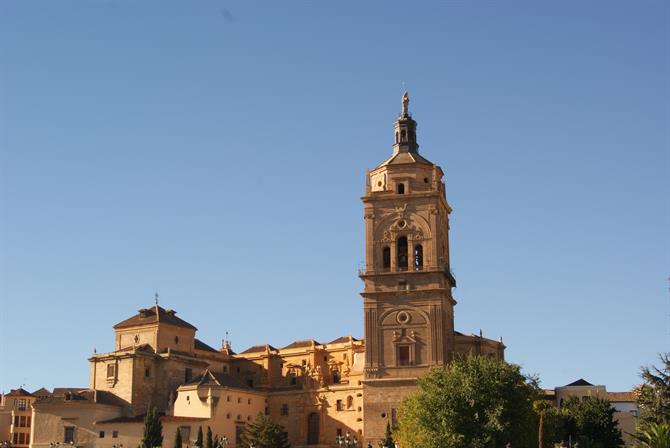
409 318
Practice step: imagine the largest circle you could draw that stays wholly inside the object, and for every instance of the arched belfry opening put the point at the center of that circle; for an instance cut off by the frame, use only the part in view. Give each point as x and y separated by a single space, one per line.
418 257
401 255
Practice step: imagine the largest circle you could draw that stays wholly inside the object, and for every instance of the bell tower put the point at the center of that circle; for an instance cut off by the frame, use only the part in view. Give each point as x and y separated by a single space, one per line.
408 305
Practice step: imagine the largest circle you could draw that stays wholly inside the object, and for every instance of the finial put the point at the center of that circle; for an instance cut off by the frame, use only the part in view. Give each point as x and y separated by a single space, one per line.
156 297
405 104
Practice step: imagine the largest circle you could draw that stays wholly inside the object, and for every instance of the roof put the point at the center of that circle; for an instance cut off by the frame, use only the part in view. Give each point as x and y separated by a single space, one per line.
20 392
154 315
621 396
42 392
163 418
258 348
405 157
83 396
218 379
343 339
579 382
302 343
199 345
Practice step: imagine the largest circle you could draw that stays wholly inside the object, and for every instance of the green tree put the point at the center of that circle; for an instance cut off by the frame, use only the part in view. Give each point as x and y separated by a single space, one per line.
264 433
475 402
388 437
588 421
153 429
177 439
653 435
653 396
209 441
198 440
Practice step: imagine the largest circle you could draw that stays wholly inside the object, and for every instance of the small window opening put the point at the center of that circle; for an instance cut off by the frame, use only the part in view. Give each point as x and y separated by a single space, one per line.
396 137
336 377
386 257
403 355
338 405
401 188
403 136
402 253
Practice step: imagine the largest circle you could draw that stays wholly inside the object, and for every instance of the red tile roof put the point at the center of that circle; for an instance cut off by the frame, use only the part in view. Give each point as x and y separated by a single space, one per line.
154 315
620 396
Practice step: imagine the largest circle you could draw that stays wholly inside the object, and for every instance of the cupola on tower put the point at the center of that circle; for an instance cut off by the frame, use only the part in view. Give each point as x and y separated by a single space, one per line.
408 305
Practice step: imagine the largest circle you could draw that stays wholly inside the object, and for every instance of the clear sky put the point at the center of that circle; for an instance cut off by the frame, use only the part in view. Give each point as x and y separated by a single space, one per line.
216 151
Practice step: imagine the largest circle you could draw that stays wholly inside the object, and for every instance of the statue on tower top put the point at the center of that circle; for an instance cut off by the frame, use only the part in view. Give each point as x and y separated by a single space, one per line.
405 104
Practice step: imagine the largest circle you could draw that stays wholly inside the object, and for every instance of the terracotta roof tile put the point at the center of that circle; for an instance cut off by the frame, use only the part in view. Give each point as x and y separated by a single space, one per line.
343 339
20 392
302 343
258 348
620 396
153 315
199 345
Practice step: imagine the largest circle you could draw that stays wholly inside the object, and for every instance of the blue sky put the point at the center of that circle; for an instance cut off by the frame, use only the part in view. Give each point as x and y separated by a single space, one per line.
215 152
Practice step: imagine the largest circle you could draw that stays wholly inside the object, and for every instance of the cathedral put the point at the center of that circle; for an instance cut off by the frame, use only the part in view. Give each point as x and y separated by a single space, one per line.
320 392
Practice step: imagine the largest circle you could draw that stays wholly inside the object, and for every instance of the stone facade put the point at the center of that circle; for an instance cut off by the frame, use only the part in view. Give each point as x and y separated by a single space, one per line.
316 391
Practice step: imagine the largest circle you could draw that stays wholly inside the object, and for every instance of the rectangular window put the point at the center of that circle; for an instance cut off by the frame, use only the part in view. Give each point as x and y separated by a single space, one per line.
22 404
188 375
101 434
284 409
267 410
147 372
16 438
22 438
27 438
22 421
111 370
403 355
69 434
28 421
338 405
115 434
16 420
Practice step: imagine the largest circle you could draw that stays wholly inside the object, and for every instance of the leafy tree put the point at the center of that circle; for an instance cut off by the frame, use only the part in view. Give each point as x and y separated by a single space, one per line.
474 402
210 441
198 440
153 429
653 435
588 421
264 433
653 396
388 437
177 439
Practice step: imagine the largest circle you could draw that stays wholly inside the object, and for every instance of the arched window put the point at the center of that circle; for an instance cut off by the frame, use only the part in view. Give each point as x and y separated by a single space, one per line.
313 429
418 257
386 257
396 136
336 376
403 136
411 135
402 253
401 188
